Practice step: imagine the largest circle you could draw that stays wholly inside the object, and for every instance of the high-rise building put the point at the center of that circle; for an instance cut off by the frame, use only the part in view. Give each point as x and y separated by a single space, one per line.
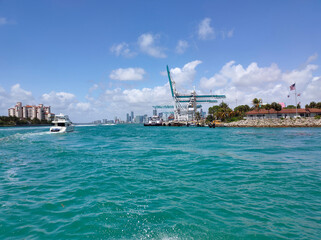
41 112
155 112
132 116
18 110
127 118
145 118
11 112
34 112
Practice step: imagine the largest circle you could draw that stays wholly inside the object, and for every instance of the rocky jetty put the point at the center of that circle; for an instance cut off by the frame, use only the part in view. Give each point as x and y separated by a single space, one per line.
294 122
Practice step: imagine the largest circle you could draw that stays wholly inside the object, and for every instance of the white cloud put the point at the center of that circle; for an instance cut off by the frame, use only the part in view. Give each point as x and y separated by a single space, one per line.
230 33
93 88
300 77
59 100
313 90
83 106
3 21
16 94
312 58
184 77
122 49
181 46
268 83
20 94
205 31
67 103
227 34
147 45
118 102
251 77
127 74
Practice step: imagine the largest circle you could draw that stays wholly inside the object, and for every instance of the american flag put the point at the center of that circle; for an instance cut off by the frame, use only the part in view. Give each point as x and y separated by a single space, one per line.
292 87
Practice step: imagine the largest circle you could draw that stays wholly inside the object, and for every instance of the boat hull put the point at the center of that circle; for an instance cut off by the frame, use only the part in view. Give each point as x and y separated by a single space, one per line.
153 124
61 129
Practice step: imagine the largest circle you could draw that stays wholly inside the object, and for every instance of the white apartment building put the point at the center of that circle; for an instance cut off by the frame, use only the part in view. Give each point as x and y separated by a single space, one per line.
40 112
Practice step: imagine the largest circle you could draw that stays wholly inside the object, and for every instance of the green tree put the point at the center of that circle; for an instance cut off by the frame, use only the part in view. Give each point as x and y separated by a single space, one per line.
241 110
256 103
276 106
224 112
35 121
221 112
214 111
312 104
197 116
290 107
209 118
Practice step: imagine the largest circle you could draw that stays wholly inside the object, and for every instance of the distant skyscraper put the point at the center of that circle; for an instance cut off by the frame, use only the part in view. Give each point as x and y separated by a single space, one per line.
127 118
155 112
132 116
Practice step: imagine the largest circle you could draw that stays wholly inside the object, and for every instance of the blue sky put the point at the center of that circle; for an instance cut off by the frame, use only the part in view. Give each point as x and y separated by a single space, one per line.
100 59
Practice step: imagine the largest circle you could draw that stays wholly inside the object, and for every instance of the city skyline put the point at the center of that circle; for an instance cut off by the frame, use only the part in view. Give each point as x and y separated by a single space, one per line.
92 59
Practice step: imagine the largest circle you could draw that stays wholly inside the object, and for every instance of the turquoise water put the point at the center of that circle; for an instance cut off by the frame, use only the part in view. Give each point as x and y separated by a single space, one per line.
136 182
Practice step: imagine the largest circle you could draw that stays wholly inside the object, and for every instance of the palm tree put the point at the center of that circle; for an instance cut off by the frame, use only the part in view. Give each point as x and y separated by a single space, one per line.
197 116
256 103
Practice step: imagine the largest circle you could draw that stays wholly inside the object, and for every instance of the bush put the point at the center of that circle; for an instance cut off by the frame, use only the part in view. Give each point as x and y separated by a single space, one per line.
317 117
233 119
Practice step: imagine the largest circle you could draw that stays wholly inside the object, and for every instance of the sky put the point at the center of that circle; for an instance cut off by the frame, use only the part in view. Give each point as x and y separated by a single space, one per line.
100 59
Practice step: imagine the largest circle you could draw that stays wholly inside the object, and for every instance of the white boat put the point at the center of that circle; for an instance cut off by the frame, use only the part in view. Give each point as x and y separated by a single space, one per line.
154 121
62 124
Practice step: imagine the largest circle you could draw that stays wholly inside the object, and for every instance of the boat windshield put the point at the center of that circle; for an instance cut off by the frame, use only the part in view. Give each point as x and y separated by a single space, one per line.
61 124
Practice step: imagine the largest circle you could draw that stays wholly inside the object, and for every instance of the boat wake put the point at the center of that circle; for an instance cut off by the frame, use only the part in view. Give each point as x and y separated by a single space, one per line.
23 136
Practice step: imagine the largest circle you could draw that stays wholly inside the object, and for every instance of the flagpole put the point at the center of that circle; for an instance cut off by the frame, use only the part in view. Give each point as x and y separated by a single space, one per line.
296 104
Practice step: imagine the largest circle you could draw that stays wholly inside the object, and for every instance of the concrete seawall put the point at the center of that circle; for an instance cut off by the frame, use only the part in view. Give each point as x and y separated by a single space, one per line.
298 122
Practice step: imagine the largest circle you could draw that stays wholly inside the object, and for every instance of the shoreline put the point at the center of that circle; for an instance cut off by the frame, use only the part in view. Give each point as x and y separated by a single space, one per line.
275 123
27 125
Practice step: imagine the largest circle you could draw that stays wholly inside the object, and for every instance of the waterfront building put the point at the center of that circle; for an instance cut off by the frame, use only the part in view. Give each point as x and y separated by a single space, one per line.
284 113
26 111
18 110
34 112
29 111
49 116
40 112
11 112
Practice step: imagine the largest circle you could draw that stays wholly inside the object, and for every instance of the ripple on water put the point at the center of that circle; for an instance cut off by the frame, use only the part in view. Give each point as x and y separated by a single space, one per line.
131 182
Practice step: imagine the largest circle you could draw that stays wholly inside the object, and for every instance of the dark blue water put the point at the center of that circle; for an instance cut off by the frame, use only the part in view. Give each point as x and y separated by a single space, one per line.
135 182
